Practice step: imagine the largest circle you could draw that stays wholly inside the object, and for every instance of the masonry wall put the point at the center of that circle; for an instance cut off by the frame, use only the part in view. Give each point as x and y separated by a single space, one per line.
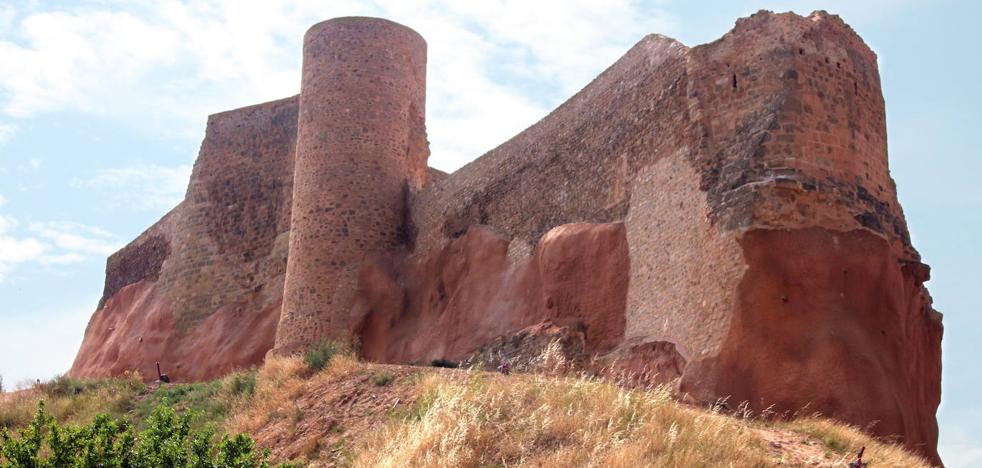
200 290
791 120
773 130
574 165
230 236
361 149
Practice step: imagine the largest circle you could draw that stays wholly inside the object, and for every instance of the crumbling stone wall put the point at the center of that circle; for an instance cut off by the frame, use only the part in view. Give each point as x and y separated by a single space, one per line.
200 290
141 260
792 121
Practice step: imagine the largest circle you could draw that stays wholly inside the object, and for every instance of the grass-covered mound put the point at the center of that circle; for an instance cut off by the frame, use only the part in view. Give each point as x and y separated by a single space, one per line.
330 409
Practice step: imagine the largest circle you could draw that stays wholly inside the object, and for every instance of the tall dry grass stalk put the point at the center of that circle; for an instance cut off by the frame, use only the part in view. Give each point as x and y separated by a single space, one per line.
540 421
71 400
840 440
280 381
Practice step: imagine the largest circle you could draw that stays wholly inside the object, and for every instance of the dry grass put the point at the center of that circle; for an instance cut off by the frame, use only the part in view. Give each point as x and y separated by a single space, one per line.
491 420
282 380
840 442
71 400
466 418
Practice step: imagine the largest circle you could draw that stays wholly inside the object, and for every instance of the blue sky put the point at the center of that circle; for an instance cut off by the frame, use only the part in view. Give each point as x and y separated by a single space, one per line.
103 106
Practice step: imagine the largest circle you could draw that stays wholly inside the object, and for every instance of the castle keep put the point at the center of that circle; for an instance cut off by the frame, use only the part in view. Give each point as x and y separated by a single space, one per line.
721 214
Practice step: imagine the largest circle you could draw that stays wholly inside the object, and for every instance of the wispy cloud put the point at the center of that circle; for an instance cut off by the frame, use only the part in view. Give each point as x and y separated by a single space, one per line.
16 250
144 187
165 65
50 243
76 238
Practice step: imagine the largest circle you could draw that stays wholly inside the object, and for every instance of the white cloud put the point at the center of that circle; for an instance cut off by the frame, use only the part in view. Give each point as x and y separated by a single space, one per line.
3 200
163 66
76 238
149 187
15 250
50 244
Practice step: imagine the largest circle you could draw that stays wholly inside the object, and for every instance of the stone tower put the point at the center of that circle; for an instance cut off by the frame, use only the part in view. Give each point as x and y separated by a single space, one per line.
361 149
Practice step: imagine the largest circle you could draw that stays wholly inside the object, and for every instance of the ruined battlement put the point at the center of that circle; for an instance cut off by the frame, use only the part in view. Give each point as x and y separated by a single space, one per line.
824 144
719 214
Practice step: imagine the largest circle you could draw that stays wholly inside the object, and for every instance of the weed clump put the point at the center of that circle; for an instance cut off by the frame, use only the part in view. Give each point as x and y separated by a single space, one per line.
382 378
320 355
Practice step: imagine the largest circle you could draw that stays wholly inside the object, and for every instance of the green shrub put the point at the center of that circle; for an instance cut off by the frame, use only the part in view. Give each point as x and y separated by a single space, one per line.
62 386
204 399
382 378
169 440
242 383
321 354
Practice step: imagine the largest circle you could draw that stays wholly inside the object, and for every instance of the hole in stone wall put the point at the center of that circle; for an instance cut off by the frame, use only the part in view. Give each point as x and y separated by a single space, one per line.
734 81
855 88
826 60
801 51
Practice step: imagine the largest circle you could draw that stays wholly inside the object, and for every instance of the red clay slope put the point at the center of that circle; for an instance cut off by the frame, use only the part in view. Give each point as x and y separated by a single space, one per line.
136 328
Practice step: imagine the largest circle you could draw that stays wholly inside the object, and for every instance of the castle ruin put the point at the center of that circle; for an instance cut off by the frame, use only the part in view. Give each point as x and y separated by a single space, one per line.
723 214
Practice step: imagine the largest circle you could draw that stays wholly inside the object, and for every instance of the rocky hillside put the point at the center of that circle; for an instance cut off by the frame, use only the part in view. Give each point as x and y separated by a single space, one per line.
351 413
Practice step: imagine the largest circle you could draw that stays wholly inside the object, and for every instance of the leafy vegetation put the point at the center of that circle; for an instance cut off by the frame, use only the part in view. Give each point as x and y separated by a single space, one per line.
382 378
168 441
72 400
320 355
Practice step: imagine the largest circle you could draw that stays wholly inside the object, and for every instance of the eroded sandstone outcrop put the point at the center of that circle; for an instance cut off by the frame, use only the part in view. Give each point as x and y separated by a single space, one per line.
444 304
722 215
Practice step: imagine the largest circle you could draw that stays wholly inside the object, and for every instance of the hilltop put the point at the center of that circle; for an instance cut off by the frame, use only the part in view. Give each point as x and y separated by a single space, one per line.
352 413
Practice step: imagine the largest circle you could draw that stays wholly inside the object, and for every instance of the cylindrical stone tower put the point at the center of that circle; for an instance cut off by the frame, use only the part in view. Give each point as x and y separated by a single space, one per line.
361 146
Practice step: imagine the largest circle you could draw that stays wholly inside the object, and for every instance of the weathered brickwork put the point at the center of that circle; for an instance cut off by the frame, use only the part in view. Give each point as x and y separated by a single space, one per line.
574 165
683 268
236 212
138 261
210 271
716 213
361 148
792 122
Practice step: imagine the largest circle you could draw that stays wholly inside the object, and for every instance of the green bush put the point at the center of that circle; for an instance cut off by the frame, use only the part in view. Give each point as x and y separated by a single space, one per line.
321 354
203 399
242 383
168 441
382 378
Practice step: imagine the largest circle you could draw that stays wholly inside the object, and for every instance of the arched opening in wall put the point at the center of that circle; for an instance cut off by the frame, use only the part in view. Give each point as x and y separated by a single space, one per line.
734 81
801 51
